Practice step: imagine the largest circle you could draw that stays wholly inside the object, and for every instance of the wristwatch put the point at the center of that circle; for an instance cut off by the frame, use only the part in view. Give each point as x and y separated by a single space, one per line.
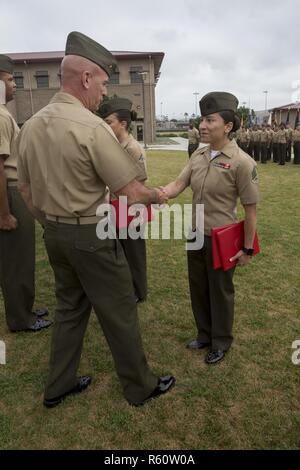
248 251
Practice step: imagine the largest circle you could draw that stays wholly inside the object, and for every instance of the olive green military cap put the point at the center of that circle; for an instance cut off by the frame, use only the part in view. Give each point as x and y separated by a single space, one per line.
79 44
218 101
6 64
114 104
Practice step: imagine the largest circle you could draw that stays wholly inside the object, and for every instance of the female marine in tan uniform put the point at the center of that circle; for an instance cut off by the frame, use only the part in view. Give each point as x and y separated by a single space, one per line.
218 174
118 115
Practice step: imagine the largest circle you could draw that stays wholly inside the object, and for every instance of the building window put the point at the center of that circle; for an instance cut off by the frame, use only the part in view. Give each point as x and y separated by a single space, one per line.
42 78
19 79
114 79
135 76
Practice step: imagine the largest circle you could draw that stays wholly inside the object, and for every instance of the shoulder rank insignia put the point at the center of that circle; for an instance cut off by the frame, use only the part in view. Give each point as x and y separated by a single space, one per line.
254 175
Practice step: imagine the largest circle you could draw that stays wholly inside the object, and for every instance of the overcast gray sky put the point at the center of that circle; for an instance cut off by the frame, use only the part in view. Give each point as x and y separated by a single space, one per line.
244 47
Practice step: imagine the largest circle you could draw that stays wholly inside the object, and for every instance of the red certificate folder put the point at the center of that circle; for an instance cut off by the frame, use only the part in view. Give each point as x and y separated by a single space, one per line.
147 214
226 242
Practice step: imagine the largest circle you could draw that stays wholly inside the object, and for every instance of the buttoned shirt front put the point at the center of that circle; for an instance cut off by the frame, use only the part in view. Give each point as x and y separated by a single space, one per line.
219 182
282 136
270 136
275 137
244 137
264 137
69 156
256 136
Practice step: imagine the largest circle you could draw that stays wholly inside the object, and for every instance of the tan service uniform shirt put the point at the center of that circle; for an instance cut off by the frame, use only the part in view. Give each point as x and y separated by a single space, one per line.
275 137
296 136
69 155
244 137
264 137
193 136
282 136
289 135
218 183
138 154
8 134
270 137
256 136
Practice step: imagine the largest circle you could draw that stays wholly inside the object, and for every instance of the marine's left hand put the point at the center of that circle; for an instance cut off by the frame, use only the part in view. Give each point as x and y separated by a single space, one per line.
243 259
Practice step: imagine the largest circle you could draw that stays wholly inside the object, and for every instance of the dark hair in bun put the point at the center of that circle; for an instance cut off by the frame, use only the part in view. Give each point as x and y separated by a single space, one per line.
230 116
133 115
126 115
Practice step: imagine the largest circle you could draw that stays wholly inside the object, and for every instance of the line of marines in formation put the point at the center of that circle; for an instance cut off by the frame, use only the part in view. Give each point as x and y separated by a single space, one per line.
263 143
268 142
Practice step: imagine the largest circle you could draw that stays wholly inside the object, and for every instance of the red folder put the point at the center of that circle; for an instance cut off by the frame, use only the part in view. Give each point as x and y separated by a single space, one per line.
226 242
147 214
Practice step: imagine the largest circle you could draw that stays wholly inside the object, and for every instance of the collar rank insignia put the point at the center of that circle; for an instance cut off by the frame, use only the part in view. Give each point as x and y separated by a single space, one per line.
225 166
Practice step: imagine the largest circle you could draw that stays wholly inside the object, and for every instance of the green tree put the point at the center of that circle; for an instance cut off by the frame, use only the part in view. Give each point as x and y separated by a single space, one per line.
243 113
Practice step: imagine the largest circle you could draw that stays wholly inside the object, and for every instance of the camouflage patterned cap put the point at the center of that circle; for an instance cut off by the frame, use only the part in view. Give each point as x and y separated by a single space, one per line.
6 64
79 44
114 104
218 101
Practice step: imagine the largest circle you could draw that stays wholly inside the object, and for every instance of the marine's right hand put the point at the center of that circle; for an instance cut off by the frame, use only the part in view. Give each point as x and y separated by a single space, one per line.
8 222
162 196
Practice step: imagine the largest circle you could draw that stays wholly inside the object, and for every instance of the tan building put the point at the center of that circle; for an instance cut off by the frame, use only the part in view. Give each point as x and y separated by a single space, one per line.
288 111
37 78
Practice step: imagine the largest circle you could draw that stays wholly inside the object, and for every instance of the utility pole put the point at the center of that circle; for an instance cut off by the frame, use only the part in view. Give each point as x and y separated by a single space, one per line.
196 102
266 99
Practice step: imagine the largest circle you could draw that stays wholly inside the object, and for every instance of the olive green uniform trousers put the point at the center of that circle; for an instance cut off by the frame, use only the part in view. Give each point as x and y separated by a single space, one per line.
135 252
275 152
297 153
282 153
17 265
212 297
93 273
263 152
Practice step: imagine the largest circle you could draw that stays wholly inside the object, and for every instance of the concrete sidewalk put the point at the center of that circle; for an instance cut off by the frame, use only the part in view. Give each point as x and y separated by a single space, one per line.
181 145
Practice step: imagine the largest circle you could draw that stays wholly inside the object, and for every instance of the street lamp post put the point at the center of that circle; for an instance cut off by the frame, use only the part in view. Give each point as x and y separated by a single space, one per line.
161 110
143 74
196 94
244 106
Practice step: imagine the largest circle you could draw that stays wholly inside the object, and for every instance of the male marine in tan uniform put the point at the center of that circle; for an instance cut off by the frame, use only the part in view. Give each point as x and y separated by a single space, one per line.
289 139
282 143
68 156
256 135
264 137
193 137
17 236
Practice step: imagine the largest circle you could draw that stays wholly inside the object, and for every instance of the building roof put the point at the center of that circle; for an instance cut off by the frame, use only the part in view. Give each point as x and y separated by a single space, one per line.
57 56
287 107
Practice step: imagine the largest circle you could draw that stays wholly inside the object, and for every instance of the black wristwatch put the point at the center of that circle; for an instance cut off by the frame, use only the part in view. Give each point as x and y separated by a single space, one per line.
248 251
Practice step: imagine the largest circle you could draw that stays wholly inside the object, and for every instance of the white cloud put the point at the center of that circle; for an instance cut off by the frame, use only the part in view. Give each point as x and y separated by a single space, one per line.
240 46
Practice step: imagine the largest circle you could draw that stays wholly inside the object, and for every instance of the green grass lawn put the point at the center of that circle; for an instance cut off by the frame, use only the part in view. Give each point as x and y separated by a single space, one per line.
249 401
